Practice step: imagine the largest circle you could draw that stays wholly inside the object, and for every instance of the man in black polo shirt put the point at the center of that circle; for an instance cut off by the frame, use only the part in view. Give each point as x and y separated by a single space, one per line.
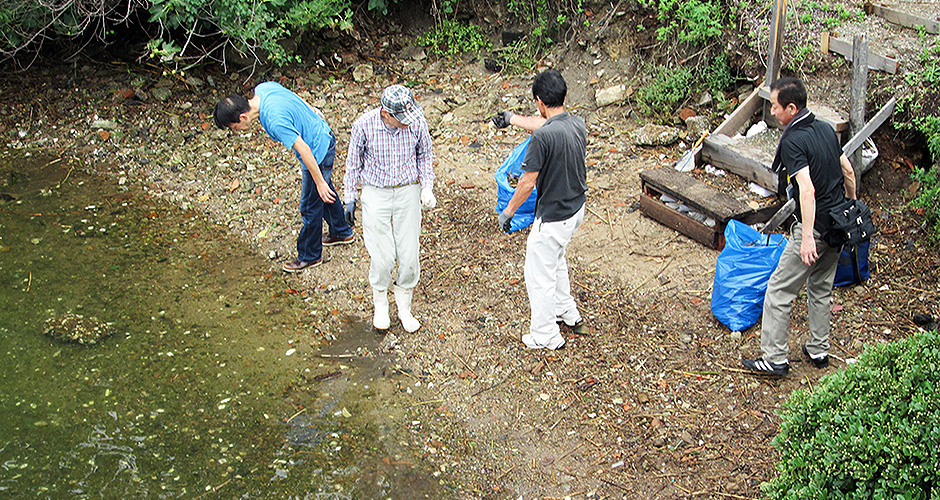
554 165
820 178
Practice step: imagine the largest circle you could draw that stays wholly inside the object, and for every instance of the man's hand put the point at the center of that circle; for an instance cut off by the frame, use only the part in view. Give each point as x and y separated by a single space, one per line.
501 119
326 194
808 249
428 201
350 213
505 221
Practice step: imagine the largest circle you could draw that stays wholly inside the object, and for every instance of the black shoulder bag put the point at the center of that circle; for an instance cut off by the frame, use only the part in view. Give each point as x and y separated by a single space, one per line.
851 224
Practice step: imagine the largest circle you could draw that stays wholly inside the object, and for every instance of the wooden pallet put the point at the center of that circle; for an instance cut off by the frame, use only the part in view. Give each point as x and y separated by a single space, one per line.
699 197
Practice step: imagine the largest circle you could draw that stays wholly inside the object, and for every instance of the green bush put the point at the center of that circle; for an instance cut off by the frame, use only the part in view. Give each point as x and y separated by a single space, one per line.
717 76
918 109
452 38
693 21
668 87
255 28
928 199
871 431
183 30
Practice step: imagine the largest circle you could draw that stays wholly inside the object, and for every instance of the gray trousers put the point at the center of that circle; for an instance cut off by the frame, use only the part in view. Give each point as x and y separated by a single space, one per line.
785 283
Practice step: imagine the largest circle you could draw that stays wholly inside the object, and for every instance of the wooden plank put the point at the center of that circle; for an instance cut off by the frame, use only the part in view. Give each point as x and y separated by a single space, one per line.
742 115
760 215
711 237
844 49
715 150
859 138
694 193
858 92
778 21
902 18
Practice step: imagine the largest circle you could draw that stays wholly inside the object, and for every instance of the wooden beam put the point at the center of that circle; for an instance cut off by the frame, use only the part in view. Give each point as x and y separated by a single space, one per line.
858 92
829 43
716 150
859 138
712 237
902 18
778 22
742 115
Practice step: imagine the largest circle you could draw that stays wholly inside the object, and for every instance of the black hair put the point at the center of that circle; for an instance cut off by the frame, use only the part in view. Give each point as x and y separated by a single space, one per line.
790 91
550 87
228 110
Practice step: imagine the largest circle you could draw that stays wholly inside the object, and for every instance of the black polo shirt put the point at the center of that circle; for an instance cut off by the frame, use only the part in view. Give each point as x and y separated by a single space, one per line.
556 151
813 143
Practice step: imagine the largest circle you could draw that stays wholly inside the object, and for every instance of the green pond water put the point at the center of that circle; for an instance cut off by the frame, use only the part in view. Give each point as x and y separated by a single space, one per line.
220 380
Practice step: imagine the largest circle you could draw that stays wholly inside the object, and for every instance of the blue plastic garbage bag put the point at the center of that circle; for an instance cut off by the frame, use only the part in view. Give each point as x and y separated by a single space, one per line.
525 214
741 274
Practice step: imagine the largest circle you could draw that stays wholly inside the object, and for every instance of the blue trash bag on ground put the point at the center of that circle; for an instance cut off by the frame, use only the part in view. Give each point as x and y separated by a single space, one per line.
742 271
845 271
525 214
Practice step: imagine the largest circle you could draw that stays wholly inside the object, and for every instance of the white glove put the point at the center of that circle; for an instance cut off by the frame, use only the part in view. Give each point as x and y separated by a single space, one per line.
428 201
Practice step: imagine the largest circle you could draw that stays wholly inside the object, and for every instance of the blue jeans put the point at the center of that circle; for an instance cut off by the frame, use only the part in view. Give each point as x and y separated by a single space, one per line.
313 211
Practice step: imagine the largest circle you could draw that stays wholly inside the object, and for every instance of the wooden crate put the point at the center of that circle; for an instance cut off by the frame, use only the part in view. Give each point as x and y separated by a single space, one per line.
699 197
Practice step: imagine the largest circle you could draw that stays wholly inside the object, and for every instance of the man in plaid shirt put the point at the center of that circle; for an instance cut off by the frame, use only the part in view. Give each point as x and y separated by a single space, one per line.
390 158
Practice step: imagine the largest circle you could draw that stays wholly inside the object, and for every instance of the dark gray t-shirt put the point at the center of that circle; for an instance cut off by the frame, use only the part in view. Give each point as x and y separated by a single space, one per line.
556 152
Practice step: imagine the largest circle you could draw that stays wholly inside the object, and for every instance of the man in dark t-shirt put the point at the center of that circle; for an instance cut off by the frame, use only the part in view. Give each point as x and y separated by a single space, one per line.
554 165
820 178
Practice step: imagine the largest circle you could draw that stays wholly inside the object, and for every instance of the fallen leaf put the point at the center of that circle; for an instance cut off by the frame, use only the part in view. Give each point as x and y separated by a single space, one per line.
104 134
204 197
235 185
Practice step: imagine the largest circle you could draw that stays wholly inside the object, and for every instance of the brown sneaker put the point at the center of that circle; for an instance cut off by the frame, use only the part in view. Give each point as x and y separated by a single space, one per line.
295 266
330 240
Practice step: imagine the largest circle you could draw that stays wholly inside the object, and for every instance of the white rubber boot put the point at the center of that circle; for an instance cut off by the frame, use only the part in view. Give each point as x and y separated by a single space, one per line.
403 299
380 319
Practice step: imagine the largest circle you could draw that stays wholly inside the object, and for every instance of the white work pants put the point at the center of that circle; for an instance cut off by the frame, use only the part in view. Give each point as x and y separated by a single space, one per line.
391 224
546 277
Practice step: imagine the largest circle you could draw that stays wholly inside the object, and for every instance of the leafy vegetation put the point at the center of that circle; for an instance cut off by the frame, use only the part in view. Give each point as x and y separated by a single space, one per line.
692 21
829 15
919 110
452 38
183 31
928 199
870 431
717 77
668 87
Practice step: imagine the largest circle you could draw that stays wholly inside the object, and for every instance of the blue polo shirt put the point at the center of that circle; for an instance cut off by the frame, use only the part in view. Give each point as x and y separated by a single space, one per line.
285 117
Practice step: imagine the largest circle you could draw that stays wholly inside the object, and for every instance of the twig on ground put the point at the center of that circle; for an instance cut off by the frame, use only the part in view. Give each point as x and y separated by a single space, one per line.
295 415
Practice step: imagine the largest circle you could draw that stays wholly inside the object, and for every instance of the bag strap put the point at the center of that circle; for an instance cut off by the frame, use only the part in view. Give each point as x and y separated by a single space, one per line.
856 273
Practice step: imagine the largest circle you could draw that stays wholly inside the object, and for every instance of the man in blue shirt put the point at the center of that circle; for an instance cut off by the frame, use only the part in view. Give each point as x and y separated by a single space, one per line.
299 127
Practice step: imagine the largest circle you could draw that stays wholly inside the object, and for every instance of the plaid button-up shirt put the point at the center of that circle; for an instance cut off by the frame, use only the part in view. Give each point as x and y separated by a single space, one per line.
385 156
